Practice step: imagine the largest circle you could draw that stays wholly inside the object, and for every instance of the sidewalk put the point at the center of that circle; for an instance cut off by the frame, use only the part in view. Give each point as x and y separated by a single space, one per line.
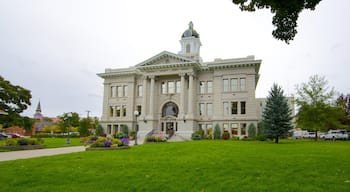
13 155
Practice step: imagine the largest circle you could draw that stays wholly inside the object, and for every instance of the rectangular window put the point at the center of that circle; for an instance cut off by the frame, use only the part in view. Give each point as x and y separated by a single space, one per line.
109 129
163 88
120 91
225 85
234 84
125 90
210 87
113 91
115 129
234 108
243 107
201 87
124 110
243 129
118 111
234 128
178 86
242 84
209 109
171 87
226 108
139 107
225 126
111 111
201 109
139 90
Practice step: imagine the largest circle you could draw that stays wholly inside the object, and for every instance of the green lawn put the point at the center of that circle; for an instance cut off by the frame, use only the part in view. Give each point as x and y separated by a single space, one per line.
53 143
189 166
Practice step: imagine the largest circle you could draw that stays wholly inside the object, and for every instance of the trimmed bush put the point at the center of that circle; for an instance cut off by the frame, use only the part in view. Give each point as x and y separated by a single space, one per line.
217 132
226 135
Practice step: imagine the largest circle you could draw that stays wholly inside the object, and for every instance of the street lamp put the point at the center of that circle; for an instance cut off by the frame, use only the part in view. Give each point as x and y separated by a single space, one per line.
136 113
69 116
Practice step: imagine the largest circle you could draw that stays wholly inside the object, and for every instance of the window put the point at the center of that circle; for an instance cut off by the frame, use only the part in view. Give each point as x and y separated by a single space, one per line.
163 88
225 85
234 128
201 109
111 111
209 109
225 126
201 87
120 91
209 129
243 129
234 108
226 108
178 86
234 84
118 111
115 129
188 48
139 90
242 107
124 110
210 87
242 84
125 90
139 109
109 129
171 87
113 91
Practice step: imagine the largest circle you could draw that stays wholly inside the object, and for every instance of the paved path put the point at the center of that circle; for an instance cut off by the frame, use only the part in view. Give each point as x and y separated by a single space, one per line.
13 155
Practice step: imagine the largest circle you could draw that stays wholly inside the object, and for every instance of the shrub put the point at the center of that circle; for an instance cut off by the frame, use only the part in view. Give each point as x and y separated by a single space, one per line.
156 138
226 135
124 129
217 132
23 141
132 134
10 142
120 135
125 141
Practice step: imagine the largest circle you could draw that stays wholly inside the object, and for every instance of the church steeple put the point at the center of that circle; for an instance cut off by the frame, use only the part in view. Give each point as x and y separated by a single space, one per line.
38 114
190 43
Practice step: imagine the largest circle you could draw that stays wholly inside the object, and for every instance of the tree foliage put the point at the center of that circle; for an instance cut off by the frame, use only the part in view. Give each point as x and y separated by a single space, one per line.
217 132
286 14
74 121
251 131
277 115
14 100
84 126
317 111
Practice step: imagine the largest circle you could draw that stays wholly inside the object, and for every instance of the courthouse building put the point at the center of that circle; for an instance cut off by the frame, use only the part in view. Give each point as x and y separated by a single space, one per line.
179 93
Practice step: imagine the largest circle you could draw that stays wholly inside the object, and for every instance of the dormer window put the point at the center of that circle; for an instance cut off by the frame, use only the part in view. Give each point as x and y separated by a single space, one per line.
188 48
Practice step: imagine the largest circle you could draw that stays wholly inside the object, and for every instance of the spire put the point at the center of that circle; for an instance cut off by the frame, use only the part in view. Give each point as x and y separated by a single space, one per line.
38 108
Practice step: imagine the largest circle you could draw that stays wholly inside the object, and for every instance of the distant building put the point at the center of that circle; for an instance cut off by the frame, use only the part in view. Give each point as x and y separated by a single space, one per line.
40 121
179 93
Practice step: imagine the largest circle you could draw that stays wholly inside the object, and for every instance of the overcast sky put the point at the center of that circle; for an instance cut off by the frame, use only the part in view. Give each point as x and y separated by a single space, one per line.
55 48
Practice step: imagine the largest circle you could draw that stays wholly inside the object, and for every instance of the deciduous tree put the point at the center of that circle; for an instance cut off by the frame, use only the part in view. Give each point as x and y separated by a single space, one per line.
286 14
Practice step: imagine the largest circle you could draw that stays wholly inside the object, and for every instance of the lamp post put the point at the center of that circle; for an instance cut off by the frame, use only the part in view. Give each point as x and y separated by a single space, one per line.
69 116
136 113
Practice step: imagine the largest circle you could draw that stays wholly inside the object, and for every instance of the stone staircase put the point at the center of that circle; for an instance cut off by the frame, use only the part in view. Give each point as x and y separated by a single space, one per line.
177 138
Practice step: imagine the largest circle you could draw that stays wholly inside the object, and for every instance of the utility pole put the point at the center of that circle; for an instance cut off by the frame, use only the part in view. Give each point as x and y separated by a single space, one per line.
88 112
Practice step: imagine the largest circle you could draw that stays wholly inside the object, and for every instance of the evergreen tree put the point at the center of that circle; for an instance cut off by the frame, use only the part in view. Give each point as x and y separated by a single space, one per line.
217 132
277 115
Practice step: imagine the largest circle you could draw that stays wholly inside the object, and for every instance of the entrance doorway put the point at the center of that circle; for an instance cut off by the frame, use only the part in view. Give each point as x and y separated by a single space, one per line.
169 127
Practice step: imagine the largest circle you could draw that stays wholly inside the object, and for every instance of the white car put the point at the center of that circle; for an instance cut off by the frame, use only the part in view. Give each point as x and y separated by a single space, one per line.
337 134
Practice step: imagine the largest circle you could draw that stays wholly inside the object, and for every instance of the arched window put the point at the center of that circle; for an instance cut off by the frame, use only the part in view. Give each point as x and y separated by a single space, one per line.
188 48
170 109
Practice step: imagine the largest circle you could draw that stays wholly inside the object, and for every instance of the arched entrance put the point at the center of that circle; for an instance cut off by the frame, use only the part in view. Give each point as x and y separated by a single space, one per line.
168 121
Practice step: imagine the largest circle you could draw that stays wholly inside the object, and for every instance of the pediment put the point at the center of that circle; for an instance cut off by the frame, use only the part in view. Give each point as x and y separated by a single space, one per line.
165 58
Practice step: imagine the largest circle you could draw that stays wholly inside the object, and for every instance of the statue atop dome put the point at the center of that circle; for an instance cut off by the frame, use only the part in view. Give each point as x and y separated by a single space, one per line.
190 32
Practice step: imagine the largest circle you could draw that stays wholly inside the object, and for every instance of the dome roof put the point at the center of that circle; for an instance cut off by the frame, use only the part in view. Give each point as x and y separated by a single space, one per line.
190 32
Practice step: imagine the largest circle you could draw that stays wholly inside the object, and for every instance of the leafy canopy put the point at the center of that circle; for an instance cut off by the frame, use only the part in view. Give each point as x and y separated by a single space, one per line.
286 14
277 115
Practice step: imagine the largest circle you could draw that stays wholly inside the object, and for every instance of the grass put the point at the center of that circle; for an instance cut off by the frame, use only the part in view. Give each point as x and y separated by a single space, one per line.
53 143
189 166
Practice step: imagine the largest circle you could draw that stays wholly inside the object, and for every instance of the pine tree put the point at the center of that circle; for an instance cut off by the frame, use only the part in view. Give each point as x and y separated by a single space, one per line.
277 115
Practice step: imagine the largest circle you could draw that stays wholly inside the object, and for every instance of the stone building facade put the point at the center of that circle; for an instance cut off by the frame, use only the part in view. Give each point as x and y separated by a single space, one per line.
179 93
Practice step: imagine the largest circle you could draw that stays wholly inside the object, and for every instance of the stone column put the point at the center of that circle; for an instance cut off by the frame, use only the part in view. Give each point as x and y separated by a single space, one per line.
190 95
144 97
151 103
182 95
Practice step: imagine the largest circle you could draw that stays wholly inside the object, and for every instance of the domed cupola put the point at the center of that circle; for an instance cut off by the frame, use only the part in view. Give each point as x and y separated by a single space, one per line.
190 32
190 43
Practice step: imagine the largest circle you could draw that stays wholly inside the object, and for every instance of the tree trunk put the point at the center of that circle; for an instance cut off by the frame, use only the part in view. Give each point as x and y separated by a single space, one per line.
276 140
316 137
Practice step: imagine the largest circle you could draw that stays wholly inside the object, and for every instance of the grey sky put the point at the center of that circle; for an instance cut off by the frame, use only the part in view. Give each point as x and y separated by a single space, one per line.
56 47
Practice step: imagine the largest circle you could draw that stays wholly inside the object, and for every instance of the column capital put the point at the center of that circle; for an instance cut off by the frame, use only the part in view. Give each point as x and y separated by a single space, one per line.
151 76
182 74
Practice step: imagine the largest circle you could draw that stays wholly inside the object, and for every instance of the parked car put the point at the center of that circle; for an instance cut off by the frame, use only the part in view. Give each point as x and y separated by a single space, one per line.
321 135
3 136
337 134
311 135
299 134
14 135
